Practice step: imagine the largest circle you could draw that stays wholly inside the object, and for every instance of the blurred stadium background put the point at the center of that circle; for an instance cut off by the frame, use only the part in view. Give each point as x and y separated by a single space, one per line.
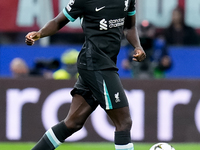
165 109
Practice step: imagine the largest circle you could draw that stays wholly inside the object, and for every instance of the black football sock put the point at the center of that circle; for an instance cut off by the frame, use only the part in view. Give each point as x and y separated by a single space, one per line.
123 140
53 137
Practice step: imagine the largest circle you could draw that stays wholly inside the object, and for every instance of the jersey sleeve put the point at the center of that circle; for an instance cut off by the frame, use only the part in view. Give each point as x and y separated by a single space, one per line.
73 10
132 10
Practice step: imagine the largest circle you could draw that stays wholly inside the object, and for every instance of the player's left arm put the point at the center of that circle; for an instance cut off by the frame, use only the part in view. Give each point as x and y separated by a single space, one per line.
131 35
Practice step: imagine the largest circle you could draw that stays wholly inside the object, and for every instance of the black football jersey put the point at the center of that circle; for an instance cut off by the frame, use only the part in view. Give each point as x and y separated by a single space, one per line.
102 22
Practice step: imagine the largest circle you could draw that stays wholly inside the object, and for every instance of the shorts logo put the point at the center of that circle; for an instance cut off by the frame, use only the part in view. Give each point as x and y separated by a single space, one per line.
117 100
103 25
126 5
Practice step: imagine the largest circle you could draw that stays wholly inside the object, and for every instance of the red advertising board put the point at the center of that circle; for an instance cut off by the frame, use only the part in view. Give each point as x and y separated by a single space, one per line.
26 15
8 11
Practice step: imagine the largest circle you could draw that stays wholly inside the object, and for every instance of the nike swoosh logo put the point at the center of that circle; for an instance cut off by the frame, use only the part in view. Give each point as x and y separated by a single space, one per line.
98 9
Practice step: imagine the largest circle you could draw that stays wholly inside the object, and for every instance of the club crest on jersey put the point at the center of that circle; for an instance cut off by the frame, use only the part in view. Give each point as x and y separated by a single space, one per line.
71 2
126 5
117 97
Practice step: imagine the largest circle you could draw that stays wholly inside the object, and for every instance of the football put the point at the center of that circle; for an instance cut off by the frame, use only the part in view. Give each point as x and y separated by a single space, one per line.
162 146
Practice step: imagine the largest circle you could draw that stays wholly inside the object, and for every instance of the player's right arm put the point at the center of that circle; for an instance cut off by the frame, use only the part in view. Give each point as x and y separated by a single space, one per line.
49 29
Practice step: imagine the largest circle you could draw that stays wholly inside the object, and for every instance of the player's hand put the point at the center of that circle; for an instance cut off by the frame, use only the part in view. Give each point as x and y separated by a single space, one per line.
31 37
139 54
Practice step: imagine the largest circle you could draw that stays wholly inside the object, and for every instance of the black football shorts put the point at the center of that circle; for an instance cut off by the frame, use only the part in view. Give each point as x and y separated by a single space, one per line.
101 87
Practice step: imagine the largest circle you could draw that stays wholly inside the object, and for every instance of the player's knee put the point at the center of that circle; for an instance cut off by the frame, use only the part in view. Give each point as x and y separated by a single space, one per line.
125 125
128 124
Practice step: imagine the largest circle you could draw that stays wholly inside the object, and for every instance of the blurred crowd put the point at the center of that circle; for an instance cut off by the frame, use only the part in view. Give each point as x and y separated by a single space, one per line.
154 41
63 68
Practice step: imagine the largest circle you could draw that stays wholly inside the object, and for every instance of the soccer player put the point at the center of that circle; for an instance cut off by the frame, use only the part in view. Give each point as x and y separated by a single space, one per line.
103 22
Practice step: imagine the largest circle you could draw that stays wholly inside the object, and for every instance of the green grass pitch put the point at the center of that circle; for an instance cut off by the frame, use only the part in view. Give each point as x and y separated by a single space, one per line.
95 146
